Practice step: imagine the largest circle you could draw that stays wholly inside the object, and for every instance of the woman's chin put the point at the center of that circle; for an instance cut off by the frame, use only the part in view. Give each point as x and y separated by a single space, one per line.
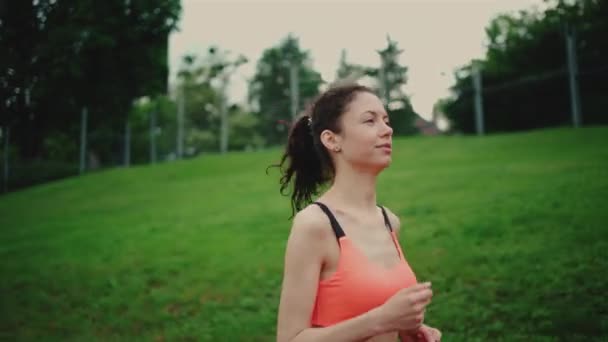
382 163
374 163
387 163
385 160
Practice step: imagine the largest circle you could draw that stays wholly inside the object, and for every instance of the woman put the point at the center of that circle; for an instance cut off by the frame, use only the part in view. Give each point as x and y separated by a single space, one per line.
345 276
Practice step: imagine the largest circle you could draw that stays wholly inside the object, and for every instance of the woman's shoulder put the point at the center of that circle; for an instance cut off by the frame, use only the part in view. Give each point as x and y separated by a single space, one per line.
393 219
309 236
311 222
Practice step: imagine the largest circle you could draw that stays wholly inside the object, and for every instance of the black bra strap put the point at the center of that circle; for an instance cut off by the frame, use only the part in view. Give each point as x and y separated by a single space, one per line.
388 225
334 223
386 220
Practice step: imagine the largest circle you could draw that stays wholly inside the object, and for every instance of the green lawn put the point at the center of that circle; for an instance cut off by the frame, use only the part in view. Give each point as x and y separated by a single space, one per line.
512 230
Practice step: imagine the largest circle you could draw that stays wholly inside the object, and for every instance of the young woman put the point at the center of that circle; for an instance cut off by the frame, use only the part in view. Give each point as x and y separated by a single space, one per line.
345 276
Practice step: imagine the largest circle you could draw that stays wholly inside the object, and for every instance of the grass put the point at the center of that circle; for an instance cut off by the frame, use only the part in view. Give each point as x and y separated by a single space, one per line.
512 230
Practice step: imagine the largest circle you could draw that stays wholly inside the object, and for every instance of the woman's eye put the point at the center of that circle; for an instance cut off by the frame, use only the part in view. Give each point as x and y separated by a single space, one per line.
369 120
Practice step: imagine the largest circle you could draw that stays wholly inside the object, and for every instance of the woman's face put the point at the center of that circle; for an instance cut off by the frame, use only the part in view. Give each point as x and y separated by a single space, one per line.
366 137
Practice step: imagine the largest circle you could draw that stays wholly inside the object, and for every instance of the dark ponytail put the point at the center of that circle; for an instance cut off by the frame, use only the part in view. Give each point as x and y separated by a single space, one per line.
304 164
308 161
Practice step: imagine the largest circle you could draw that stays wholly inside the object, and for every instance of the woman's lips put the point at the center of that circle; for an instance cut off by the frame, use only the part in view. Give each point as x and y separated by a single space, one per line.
385 147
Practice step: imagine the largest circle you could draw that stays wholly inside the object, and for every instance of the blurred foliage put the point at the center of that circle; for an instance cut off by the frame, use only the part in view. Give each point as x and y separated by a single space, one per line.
203 83
525 69
388 81
161 111
111 57
269 90
61 56
201 102
392 78
244 133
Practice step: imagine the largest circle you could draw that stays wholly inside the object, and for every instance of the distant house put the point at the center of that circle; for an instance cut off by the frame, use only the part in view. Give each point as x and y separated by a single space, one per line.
426 127
439 124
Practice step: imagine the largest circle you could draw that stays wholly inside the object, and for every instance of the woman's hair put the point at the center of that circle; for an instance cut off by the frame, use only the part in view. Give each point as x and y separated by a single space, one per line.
306 161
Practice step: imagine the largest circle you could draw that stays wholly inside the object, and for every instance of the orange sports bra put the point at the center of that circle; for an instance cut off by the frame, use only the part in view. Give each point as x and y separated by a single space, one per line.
358 285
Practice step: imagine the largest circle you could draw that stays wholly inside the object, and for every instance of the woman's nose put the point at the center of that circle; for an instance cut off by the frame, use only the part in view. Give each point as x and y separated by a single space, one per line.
387 129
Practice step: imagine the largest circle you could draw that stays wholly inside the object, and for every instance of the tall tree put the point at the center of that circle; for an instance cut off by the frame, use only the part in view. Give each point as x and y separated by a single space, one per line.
153 118
202 83
349 72
269 90
524 71
59 56
200 102
391 78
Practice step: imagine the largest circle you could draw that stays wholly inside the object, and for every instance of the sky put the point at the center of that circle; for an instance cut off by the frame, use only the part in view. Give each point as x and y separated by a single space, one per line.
436 36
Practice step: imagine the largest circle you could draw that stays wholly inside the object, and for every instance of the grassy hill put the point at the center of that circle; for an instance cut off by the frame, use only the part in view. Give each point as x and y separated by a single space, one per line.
512 230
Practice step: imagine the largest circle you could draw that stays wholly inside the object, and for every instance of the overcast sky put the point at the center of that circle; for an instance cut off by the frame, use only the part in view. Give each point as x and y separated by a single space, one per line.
437 36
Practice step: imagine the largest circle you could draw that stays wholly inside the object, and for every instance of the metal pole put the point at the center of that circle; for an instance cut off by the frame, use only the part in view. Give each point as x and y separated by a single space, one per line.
477 86
575 104
83 140
294 88
152 136
180 123
223 115
127 144
224 126
6 142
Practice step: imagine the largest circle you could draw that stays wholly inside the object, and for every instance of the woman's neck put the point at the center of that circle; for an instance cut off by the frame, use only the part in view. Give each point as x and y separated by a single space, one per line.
354 190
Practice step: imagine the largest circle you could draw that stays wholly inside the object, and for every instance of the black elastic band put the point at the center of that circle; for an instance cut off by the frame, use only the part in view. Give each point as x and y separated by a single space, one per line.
386 221
388 224
334 223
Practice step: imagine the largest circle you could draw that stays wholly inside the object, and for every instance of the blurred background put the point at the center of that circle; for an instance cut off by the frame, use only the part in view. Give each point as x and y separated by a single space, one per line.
89 86
135 136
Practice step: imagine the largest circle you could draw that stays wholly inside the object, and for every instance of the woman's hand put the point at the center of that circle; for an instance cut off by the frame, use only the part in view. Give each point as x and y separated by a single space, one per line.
404 311
430 334
424 334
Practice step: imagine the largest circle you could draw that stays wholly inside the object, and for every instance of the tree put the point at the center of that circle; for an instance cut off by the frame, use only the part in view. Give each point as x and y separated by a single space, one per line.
391 78
524 70
200 101
269 90
243 130
60 56
349 72
160 112
202 84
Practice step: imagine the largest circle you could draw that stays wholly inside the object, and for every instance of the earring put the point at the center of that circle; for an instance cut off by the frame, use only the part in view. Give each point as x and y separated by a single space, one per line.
337 149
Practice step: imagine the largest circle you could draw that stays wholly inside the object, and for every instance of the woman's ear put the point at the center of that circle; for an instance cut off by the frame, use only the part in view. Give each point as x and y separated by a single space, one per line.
331 140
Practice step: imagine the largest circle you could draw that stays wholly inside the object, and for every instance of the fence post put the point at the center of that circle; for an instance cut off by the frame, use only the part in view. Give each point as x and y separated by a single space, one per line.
127 144
224 125
477 86
6 135
294 90
180 122
575 103
83 140
152 136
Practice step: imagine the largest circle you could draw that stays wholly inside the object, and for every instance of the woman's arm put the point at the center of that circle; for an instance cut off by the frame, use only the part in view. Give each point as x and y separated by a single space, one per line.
359 328
425 333
304 256
404 336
